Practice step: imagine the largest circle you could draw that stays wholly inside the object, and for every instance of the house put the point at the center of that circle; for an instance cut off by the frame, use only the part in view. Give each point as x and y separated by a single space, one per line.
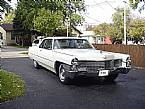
6 34
89 35
107 40
96 39
11 36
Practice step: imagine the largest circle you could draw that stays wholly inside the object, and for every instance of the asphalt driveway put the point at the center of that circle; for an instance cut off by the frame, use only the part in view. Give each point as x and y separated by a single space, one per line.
44 91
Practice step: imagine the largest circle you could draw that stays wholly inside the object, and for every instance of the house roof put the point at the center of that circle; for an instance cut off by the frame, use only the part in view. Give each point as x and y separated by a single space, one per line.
88 33
7 27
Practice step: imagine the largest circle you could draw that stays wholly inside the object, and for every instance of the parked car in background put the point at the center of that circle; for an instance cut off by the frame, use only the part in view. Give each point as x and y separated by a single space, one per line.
37 41
71 57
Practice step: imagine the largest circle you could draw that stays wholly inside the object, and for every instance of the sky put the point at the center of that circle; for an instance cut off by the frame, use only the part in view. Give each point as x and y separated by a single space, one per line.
100 11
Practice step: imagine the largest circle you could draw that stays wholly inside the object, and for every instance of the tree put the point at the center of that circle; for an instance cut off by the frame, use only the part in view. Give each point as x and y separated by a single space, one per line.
76 19
137 28
29 13
116 29
4 5
47 22
118 22
103 29
8 18
135 4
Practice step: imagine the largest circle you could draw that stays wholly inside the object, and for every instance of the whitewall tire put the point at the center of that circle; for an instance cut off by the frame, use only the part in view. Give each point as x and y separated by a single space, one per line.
62 75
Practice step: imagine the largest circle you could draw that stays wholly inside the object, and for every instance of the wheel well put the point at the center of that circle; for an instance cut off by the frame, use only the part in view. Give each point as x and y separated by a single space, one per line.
57 64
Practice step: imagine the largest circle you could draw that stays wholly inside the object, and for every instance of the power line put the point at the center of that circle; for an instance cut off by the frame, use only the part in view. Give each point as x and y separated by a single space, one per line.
110 5
92 18
102 3
97 4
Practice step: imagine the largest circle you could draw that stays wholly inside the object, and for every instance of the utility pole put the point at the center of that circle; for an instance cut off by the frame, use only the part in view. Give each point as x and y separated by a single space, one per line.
125 42
67 26
70 7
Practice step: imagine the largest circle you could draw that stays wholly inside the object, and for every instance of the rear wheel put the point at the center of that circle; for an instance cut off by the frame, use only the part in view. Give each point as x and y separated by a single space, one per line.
62 75
36 65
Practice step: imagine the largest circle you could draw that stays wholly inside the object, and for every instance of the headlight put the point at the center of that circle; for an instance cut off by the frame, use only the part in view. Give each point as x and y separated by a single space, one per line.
128 62
74 64
74 61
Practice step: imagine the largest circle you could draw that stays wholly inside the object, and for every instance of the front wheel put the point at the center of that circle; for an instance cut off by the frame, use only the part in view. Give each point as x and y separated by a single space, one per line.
62 75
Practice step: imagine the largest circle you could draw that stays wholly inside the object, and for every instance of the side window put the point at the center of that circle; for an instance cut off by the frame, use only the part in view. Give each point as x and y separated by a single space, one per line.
56 44
46 44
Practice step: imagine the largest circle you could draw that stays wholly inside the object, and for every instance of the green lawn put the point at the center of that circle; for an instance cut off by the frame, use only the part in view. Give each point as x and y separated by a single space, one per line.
11 86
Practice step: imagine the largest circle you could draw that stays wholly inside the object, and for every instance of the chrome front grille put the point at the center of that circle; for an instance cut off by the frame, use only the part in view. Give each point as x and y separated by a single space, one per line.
93 66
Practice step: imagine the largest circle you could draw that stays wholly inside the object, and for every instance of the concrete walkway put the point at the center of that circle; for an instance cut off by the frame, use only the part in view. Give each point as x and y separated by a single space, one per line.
13 52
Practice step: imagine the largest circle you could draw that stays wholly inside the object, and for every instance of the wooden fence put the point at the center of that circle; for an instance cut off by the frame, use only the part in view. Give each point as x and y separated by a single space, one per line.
137 52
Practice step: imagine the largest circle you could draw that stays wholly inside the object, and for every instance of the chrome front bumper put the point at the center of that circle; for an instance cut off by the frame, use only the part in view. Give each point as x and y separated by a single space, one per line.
72 74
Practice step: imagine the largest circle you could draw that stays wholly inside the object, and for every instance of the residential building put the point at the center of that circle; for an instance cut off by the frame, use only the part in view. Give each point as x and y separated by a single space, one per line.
6 34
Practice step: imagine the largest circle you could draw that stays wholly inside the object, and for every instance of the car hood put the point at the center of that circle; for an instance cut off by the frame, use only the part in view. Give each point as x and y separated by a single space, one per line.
88 54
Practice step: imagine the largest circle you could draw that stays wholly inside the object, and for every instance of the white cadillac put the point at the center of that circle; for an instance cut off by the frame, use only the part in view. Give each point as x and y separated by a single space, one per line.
70 57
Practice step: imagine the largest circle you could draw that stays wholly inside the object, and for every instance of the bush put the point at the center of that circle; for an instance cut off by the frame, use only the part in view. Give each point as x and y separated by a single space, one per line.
11 86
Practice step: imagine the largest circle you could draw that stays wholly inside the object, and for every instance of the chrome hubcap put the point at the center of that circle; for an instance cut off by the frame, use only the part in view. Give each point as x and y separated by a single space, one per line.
62 74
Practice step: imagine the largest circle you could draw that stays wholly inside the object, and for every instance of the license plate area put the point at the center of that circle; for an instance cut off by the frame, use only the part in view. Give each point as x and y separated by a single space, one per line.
103 73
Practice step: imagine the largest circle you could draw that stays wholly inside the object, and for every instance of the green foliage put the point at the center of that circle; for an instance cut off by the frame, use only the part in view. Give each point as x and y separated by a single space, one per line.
48 15
11 86
8 18
135 4
116 29
26 11
76 19
47 21
103 29
137 28
4 6
118 17
118 22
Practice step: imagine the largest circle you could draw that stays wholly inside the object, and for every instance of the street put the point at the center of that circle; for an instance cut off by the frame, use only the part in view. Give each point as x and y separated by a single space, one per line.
44 91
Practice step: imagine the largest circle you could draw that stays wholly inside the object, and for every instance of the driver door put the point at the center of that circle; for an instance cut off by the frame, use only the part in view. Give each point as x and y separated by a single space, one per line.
45 52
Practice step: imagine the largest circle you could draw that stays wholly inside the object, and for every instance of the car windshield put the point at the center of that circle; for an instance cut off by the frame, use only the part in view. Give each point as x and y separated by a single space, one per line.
71 44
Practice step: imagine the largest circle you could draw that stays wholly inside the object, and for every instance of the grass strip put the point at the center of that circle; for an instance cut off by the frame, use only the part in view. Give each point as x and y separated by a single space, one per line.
11 86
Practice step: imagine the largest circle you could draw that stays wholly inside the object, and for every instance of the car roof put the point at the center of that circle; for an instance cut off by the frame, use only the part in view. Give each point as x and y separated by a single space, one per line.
63 38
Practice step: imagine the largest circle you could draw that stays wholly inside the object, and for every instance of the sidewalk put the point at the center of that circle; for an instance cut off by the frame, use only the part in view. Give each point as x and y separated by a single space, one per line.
13 52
